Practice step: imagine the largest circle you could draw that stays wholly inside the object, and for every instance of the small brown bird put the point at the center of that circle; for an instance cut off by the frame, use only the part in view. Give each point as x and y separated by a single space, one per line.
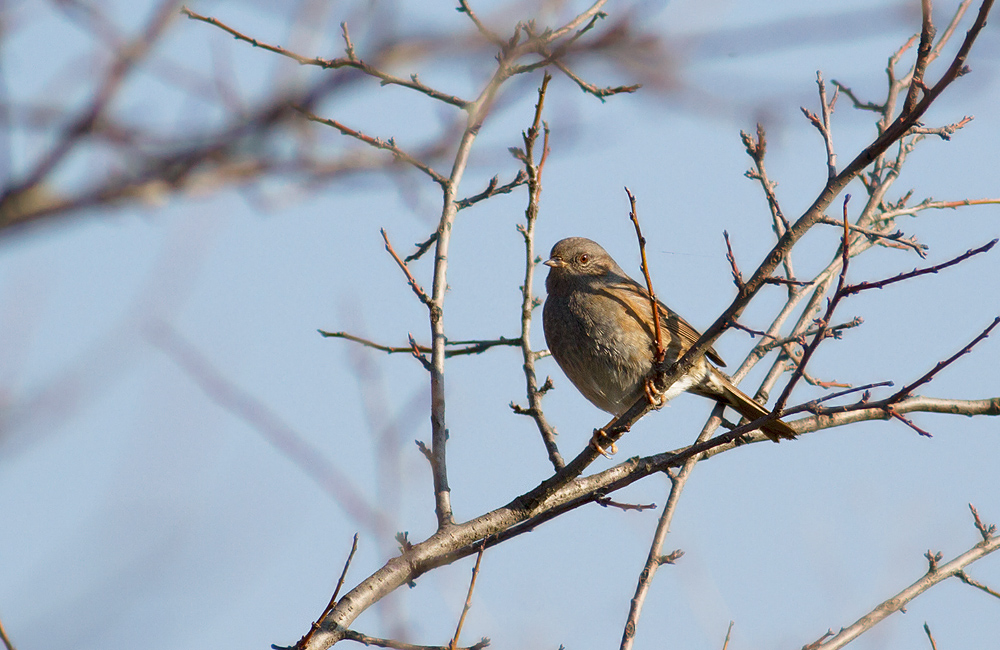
598 327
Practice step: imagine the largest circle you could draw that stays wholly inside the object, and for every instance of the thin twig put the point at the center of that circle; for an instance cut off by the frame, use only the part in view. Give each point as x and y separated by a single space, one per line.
964 577
351 635
938 573
930 636
894 240
471 347
908 389
607 502
296 447
492 189
533 174
987 531
351 61
422 248
864 286
654 309
387 145
655 557
929 204
7 643
729 631
336 592
468 599
825 320
737 276
417 289
491 36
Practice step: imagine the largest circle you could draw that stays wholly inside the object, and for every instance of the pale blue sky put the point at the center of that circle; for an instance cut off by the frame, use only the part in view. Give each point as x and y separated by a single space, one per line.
135 510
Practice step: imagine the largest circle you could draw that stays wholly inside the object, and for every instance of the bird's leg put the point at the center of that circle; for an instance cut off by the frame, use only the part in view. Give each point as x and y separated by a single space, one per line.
599 437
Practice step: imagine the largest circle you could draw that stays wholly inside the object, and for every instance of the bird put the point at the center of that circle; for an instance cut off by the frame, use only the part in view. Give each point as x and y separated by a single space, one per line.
598 327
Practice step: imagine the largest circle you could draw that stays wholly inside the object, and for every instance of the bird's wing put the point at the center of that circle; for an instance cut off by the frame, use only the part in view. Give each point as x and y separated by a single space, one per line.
682 329
675 325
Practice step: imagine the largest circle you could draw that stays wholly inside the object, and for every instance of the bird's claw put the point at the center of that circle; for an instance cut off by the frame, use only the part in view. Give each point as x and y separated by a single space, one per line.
596 442
655 399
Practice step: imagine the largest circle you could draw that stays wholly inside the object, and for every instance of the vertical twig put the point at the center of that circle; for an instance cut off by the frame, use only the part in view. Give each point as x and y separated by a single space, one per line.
661 352
655 557
528 300
725 644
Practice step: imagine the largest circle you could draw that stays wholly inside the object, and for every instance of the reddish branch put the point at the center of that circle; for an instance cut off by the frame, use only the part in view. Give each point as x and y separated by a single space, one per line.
654 309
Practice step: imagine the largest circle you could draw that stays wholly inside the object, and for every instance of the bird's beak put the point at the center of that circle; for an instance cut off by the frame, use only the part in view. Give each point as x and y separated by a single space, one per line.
555 262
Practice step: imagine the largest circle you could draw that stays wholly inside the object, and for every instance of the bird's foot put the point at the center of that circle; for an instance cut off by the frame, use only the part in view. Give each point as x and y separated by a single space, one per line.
599 440
654 397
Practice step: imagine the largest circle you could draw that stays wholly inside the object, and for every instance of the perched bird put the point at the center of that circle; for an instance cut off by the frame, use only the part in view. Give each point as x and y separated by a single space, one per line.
598 327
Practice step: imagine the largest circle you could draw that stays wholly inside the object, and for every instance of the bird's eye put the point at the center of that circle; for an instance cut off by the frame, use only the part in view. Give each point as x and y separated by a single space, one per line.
584 258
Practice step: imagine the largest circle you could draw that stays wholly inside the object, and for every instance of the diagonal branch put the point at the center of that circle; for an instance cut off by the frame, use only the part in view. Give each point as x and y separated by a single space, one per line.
936 574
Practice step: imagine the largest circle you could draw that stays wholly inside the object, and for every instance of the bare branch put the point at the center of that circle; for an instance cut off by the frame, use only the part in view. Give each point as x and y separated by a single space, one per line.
661 351
386 145
737 276
491 190
351 61
468 599
532 173
936 574
892 240
822 124
336 592
492 37
927 32
290 443
908 389
987 532
930 637
471 347
7 643
655 557
351 635
928 204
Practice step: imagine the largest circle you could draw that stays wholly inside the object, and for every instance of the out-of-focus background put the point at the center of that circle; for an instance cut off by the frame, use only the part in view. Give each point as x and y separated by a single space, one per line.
184 459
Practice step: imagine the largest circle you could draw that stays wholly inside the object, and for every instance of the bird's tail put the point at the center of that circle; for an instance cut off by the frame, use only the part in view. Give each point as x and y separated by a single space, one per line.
721 388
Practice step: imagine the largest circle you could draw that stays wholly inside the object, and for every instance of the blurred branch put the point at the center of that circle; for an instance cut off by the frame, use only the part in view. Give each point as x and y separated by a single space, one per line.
295 447
350 61
125 62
